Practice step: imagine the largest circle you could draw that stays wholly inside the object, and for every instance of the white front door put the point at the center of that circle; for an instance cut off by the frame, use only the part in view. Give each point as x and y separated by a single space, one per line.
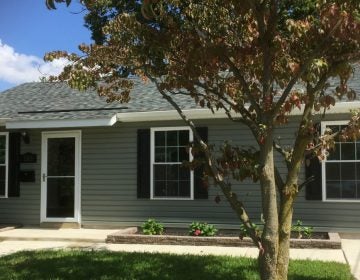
60 176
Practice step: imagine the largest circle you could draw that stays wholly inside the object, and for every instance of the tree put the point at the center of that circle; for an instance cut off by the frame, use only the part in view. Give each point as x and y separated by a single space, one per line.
255 60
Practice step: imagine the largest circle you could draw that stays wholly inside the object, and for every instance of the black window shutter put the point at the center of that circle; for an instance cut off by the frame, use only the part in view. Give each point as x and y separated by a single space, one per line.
143 163
313 169
14 164
313 173
200 188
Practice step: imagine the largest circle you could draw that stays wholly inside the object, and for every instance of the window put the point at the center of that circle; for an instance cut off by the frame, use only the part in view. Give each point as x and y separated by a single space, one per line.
3 164
169 148
341 169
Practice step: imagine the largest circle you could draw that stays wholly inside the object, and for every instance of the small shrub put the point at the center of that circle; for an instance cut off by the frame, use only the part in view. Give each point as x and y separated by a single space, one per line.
302 230
152 227
244 232
202 229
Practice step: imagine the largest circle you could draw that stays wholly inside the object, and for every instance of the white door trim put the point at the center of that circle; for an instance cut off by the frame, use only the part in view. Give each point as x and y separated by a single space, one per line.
77 199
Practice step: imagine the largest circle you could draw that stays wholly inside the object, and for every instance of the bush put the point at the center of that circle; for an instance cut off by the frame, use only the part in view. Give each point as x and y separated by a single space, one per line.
202 229
244 232
152 227
302 230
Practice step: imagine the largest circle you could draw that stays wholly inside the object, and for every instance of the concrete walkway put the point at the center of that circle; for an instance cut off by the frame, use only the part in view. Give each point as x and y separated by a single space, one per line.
35 239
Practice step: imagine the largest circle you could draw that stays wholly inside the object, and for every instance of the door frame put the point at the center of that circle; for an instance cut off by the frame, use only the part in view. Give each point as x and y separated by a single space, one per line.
45 135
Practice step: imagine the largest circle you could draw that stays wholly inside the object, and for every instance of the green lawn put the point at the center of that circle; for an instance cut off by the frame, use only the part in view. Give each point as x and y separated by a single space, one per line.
75 264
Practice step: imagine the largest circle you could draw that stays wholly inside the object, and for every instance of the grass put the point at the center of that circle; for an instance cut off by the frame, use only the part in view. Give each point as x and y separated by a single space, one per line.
76 264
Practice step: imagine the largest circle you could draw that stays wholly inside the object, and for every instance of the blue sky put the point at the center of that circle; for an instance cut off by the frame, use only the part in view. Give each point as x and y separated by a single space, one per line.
28 30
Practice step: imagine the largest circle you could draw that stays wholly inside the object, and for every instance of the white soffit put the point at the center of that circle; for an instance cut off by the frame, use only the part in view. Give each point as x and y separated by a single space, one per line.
339 108
61 123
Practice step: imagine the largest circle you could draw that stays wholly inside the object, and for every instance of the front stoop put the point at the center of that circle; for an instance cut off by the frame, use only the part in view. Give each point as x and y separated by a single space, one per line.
60 225
6 227
333 242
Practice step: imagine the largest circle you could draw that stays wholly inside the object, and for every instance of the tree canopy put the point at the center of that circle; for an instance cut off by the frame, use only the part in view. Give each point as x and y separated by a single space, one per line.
257 61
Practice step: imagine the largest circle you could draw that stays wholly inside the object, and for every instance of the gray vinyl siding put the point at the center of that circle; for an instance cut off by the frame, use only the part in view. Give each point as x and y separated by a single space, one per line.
26 208
109 185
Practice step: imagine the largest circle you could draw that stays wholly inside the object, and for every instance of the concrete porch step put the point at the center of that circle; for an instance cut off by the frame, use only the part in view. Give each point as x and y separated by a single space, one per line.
62 234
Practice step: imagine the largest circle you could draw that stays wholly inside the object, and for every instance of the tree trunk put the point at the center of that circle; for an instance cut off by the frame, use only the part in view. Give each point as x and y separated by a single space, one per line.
270 236
285 219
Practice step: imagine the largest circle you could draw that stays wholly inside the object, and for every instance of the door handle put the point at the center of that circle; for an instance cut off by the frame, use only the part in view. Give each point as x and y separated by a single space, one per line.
44 177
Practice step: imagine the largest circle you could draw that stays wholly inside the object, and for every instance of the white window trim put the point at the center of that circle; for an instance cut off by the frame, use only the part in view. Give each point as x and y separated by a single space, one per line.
325 124
6 164
152 161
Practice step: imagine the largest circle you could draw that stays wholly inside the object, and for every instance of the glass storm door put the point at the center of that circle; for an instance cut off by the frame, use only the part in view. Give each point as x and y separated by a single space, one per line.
60 200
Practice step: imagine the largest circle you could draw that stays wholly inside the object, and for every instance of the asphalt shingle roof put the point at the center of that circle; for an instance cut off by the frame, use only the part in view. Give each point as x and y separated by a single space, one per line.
40 101
57 101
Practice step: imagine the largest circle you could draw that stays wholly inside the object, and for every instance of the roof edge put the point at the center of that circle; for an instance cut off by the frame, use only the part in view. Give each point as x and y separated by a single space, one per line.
23 124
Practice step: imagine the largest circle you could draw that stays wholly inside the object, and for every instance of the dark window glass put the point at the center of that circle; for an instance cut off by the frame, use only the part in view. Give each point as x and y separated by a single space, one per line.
358 150
347 151
61 157
333 170
183 137
184 173
334 154
2 142
2 156
184 188
60 198
172 172
348 171
172 154
333 189
172 138
2 180
358 171
160 172
159 154
160 138
348 189
160 188
172 188
183 154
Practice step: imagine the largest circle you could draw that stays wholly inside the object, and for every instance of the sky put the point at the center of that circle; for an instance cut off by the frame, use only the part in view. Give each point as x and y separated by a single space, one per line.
28 30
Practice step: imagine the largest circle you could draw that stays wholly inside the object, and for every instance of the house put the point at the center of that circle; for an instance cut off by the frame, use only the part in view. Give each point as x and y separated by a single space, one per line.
70 157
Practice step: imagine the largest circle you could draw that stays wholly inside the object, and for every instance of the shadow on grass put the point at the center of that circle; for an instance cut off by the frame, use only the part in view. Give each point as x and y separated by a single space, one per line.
75 264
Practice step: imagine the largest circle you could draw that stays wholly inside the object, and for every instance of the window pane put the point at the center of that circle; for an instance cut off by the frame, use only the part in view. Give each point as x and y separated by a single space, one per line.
173 188
2 156
334 154
184 173
160 172
160 188
159 154
172 172
348 189
334 128
60 197
2 142
2 180
172 154
358 150
183 154
358 171
61 156
183 137
332 170
348 171
172 138
184 188
333 189
347 151
159 138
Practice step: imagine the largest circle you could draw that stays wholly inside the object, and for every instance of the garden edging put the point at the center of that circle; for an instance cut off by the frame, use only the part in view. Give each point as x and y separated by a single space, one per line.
334 241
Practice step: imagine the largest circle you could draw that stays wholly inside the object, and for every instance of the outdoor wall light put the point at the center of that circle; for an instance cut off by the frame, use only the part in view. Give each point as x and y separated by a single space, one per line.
25 136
